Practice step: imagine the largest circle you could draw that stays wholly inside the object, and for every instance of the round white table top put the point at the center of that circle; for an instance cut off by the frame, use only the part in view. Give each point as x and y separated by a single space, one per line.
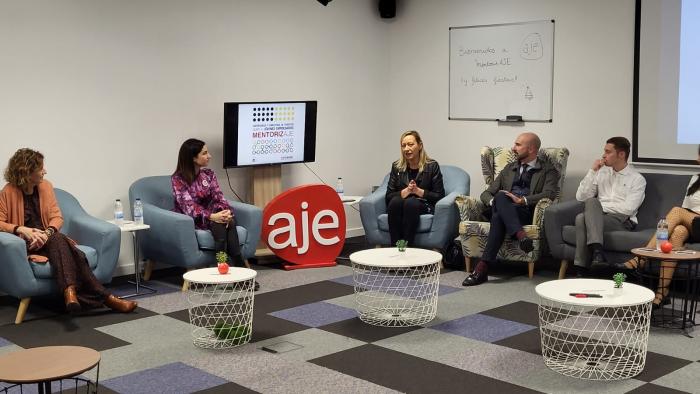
211 276
560 291
129 225
392 258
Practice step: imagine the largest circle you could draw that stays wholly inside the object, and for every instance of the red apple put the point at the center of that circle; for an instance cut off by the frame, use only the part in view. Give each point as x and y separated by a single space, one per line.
223 268
666 247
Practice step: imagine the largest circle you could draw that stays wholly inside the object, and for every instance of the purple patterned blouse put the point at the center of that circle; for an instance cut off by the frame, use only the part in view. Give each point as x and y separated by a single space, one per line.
200 199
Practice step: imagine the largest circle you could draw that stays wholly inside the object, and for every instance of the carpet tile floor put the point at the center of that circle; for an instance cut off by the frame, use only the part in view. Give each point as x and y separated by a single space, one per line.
307 338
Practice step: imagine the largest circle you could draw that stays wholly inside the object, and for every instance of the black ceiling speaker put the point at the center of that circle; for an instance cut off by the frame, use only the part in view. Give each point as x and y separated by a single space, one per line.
387 8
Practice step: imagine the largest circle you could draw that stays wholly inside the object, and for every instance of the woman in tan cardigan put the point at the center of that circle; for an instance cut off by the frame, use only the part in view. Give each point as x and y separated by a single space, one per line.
28 209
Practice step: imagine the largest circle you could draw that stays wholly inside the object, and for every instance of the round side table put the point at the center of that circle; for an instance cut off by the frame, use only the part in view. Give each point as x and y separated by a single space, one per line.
42 365
682 305
602 338
395 288
221 306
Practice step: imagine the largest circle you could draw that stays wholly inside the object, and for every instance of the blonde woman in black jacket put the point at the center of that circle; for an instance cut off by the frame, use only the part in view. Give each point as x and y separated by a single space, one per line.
415 185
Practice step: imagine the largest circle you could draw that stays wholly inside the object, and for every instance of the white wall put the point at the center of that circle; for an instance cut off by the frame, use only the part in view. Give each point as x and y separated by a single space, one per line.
593 78
108 90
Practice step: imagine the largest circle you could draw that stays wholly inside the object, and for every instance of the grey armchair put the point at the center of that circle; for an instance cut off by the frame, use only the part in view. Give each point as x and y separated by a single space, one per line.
173 239
663 192
23 279
433 230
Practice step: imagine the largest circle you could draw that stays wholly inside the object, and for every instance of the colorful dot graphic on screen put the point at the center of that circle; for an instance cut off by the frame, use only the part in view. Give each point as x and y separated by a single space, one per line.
273 114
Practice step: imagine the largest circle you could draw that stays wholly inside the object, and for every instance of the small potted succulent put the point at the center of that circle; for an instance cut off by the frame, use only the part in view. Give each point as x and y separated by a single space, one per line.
619 279
401 244
222 262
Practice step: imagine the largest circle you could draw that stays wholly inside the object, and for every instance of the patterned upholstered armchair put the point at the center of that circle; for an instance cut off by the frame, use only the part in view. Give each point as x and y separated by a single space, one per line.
473 227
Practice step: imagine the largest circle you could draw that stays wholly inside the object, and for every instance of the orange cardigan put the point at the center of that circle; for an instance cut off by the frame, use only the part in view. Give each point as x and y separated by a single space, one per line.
12 207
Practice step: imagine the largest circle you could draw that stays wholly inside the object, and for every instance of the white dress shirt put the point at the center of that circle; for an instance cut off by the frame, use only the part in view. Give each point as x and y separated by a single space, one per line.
618 191
692 201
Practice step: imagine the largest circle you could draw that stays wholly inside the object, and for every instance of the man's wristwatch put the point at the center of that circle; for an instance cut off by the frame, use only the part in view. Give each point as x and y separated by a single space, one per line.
49 231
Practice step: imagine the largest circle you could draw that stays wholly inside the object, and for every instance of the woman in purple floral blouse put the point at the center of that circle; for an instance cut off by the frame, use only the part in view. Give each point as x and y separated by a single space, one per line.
197 194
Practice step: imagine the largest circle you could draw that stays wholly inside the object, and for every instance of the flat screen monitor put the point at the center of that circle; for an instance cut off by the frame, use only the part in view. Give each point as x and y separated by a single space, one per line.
264 133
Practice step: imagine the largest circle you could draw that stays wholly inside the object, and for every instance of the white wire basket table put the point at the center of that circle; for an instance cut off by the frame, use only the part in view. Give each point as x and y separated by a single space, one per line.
221 306
601 338
396 289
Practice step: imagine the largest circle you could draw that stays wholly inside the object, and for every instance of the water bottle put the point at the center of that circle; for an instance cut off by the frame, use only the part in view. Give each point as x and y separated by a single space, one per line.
661 233
339 187
118 212
138 211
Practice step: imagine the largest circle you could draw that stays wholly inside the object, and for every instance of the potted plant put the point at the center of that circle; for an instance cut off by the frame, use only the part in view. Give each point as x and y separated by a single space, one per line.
619 279
222 262
401 244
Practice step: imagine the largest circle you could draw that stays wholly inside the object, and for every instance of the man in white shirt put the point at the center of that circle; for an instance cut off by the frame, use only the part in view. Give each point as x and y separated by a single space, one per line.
612 192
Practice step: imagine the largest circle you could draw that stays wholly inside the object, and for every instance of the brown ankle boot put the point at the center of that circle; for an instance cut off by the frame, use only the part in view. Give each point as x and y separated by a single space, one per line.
119 305
71 298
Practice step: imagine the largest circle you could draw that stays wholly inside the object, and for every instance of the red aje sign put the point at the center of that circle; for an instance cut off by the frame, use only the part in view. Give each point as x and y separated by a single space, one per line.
305 226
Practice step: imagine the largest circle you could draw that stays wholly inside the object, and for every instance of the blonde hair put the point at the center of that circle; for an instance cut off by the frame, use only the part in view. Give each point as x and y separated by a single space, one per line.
401 163
21 166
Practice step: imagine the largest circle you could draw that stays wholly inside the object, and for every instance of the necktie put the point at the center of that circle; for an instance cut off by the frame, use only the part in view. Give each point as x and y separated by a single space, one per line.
523 169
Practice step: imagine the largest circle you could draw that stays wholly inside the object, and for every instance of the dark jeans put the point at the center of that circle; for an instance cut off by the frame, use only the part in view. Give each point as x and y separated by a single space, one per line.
506 219
226 239
404 216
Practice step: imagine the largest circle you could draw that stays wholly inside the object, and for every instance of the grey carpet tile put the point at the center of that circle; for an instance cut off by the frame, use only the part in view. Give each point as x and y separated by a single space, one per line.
658 365
264 325
528 341
165 303
519 311
270 373
357 329
410 374
227 388
172 378
273 280
36 310
674 343
545 380
308 344
153 342
464 353
61 330
684 379
300 295
651 388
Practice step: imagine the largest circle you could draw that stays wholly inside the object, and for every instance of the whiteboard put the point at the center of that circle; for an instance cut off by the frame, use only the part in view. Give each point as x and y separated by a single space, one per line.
500 70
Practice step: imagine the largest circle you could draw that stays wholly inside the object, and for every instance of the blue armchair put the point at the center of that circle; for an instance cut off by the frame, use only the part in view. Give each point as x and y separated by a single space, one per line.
23 279
433 230
173 239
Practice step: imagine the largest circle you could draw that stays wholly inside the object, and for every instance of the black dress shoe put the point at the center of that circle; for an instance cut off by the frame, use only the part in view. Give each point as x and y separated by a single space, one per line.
664 301
581 272
476 278
621 267
598 257
526 244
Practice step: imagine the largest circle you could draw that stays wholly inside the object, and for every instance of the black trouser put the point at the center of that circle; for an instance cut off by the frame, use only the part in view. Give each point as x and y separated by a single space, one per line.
226 240
404 216
506 219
